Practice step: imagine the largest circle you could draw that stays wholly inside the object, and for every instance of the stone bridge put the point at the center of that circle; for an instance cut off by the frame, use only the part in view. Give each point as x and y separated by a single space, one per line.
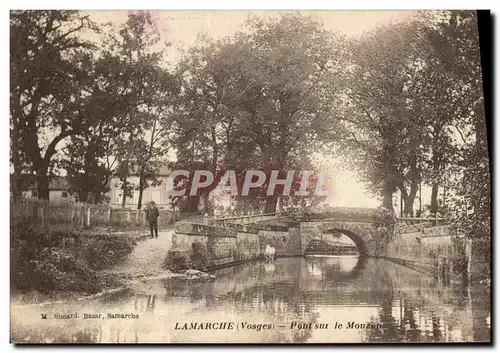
425 244
241 238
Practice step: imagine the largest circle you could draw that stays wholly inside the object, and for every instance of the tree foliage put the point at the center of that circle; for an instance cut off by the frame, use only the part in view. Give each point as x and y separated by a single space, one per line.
414 112
402 103
45 57
261 98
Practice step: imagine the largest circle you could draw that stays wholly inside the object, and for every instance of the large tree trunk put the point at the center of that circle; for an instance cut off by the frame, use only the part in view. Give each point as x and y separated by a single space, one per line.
387 198
83 195
388 186
414 178
42 163
280 204
409 199
206 203
387 193
124 192
142 186
194 202
245 205
408 208
42 180
415 183
15 182
191 204
16 142
271 202
139 201
93 197
436 166
410 202
434 198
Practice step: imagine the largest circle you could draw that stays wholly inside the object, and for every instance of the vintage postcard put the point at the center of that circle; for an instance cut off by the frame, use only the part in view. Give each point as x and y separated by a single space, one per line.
249 177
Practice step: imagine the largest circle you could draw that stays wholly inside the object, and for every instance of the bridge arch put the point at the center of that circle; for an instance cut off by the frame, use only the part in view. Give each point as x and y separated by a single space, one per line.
356 239
361 233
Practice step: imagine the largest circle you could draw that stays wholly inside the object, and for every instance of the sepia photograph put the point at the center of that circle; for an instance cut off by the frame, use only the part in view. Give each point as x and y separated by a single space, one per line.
250 177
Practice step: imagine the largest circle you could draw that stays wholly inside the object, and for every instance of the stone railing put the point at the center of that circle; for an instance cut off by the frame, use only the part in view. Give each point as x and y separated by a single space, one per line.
244 228
249 218
434 221
336 217
441 231
417 224
346 214
427 230
411 228
204 230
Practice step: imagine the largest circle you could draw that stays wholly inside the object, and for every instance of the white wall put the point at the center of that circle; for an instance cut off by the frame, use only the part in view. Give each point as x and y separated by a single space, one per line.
155 194
54 195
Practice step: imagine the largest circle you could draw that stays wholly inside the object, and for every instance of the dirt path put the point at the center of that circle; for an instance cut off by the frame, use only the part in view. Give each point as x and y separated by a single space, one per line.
143 263
147 257
146 260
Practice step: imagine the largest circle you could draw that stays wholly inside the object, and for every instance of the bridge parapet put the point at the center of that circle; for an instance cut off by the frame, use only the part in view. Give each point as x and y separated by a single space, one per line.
245 228
340 213
441 231
250 218
333 217
204 230
412 228
432 221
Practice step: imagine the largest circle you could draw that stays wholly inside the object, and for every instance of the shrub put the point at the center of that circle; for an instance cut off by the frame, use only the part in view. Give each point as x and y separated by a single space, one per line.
199 254
103 251
176 261
62 260
459 258
384 220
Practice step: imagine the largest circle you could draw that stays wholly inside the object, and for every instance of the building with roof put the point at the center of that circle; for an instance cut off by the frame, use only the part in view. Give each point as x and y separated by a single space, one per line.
157 193
58 189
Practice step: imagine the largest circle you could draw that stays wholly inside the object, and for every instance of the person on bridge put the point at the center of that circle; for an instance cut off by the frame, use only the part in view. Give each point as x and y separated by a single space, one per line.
152 214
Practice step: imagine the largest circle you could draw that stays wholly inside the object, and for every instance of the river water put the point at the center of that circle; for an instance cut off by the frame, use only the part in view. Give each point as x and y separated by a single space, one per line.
293 300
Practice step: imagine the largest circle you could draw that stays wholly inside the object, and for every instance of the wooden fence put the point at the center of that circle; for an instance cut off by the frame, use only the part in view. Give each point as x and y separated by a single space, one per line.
48 213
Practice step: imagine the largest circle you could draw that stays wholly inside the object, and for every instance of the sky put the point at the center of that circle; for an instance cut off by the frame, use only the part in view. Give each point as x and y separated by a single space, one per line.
182 28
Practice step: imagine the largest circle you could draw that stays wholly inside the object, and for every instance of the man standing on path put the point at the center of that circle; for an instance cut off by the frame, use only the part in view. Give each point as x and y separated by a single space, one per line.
152 214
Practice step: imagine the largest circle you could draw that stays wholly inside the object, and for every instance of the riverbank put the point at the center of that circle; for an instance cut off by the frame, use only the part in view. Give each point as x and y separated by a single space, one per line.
61 262
70 265
114 284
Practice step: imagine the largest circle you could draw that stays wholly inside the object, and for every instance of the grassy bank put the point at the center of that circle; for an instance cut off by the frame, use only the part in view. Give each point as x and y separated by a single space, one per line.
66 260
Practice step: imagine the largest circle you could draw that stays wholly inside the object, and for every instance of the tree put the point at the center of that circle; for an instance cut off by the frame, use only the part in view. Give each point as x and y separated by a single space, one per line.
149 143
154 147
110 99
454 36
288 89
90 163
208 133
44 96
259 99
384 132
125 84
415 110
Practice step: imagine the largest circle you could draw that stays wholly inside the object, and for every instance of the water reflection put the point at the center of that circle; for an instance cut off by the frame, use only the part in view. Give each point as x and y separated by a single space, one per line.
394 303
